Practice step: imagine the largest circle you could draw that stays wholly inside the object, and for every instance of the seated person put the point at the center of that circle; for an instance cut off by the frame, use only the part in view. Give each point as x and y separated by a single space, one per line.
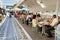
51 26
40 25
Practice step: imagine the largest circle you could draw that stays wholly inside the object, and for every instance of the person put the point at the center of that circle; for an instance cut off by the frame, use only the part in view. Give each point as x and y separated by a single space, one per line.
10 15
18 14
23 17
58 29
34 23
29 16
50 26
39 19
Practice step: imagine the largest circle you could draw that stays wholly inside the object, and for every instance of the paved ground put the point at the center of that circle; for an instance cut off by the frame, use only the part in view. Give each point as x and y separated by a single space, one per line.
11 31
34 35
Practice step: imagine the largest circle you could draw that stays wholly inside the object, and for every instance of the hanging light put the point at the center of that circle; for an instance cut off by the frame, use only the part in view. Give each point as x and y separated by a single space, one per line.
41 4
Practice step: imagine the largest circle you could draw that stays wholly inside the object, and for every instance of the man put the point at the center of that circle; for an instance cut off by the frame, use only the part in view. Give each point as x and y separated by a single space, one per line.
51 26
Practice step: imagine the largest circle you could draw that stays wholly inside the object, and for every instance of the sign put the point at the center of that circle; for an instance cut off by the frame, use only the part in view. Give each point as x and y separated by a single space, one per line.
9 7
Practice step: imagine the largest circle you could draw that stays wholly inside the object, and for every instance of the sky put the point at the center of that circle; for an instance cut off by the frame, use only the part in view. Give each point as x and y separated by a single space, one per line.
11 2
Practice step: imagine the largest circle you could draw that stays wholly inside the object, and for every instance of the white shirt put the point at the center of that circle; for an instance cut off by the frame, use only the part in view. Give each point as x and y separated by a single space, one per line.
54 22
28 16
34 23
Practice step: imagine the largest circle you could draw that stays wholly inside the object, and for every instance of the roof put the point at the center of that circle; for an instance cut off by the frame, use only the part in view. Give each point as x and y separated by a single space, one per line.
33 5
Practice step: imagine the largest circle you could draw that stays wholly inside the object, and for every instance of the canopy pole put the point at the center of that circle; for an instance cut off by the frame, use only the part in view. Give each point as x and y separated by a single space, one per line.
57 6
